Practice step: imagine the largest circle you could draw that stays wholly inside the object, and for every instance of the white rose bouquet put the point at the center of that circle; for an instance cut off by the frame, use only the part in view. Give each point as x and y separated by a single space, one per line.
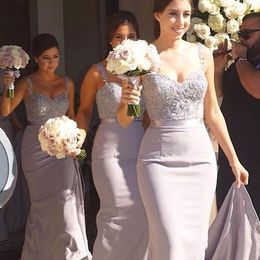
217 20
13 58
131 59
60 137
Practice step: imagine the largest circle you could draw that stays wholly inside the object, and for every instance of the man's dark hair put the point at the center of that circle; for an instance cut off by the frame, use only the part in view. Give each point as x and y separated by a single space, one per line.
254 15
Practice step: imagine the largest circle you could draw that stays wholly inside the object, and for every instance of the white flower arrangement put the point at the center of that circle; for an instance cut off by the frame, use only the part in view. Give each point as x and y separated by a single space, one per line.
60 137
132 59
217 20
13 58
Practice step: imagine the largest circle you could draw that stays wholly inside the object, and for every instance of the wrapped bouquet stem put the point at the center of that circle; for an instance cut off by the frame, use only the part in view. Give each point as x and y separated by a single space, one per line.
133 108
12 73
132 59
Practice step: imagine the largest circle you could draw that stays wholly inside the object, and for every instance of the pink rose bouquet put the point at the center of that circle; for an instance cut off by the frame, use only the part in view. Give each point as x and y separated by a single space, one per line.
131 59
13 58
60 137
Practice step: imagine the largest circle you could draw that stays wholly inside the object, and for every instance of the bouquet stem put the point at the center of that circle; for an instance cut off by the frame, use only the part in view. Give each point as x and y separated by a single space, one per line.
134 110
10 91
82 155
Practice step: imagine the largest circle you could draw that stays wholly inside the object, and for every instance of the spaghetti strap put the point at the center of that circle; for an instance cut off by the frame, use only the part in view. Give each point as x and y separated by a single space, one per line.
30 85
201 57
66 86
102 70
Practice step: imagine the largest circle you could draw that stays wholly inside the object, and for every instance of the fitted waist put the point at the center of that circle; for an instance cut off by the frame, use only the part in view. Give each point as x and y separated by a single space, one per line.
113 120
177 122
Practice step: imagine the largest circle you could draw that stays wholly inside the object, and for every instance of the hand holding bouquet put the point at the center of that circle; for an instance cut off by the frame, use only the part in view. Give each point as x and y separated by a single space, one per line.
131 59
60 137
13 58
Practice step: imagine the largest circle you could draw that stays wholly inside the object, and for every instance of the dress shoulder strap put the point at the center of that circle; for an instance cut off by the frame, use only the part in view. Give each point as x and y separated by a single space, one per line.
66 85
30 85
201 56
103 72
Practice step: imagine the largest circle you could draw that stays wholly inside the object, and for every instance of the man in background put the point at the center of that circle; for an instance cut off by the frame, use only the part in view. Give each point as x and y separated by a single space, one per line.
240 87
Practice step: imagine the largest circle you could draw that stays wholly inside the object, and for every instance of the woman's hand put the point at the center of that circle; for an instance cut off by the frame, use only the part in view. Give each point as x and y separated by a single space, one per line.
8 78
130 94
240 173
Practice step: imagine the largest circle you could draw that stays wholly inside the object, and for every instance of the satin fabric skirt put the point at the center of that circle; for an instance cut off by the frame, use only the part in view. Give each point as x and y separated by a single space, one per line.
177 177
56 224
121 220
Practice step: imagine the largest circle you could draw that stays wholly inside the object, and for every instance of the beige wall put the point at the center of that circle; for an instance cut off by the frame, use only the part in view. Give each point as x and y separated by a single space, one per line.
50 19
143 11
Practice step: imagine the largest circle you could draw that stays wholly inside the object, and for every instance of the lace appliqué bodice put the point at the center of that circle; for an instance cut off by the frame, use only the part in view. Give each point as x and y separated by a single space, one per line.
40 108
168 99
108 97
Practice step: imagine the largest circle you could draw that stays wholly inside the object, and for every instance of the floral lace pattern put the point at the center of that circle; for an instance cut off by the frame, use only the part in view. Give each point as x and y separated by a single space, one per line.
108 97
40 108
167 99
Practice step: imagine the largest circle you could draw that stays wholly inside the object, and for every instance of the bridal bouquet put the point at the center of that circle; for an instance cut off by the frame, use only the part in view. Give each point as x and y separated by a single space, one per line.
217 20
60 137
13 58
131 59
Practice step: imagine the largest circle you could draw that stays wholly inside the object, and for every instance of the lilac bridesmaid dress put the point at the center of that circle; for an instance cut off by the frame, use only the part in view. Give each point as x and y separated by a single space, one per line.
176 166
56 223
121 220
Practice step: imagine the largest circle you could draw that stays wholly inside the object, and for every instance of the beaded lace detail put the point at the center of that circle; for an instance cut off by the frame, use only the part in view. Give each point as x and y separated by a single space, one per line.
108 97
40 108
168 99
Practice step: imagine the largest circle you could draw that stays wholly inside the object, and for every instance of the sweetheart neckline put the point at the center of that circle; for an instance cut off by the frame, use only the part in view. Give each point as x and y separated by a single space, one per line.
187 78
50 98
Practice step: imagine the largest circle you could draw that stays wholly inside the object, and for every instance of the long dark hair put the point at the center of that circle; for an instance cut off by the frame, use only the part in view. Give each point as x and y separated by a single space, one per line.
115 20
159 6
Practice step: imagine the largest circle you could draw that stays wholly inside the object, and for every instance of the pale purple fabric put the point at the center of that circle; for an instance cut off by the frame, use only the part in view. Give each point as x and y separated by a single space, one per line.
56 224
121 220
235 233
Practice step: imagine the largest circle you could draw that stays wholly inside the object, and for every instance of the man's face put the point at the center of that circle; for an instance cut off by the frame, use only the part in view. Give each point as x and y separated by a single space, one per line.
253 42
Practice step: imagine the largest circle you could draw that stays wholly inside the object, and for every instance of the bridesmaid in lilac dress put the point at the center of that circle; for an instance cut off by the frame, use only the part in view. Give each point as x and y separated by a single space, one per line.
121 221
176 164
56 223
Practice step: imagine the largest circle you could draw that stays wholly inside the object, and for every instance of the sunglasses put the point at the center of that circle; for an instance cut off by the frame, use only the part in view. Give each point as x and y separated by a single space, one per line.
245 33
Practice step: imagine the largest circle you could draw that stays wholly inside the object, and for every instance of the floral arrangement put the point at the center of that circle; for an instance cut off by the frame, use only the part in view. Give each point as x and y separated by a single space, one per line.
217 20
13 58
132 59
60 137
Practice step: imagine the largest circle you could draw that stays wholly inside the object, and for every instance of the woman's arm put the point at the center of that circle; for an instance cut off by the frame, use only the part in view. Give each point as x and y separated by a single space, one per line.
7 105
89 87
217 124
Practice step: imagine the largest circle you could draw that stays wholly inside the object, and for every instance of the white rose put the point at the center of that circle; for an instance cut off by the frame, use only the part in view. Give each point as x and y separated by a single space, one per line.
254 5
204 5
213 9
235 10
220 38
232 26
217 22
224 3
211 42
202 30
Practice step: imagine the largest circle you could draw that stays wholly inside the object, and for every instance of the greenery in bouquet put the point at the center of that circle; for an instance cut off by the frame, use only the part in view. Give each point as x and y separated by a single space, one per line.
13 58
217 20
132 59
